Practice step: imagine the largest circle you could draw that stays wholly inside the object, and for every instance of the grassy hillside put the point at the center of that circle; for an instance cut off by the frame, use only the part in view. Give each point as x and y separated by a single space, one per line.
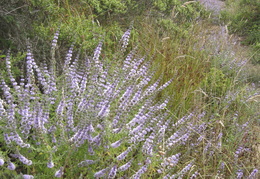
122 89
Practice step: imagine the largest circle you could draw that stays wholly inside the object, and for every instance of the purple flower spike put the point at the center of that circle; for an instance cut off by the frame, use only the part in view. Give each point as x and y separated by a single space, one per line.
112 173
116 144
124 154
28 177
125 166
97 52
125 39
253 174
86 163
100 173
239 174
55 39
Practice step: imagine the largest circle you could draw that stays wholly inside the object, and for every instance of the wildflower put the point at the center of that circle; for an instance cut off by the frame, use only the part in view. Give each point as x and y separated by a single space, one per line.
172 161
117 130
86 163
141 171
90 150
125 166
100 173
137 129
125 39
124 154
239 174
59 173
183 119
116 144
151 88
194 175
2 162
11 166
27 176
97 52
55 39
50 164
112 172
186 169
104 111
253 174
24 160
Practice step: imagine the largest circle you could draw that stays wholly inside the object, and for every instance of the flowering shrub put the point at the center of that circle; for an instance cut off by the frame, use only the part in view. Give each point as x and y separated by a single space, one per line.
96 121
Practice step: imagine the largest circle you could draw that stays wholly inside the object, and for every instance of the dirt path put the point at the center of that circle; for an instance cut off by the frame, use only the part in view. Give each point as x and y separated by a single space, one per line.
213 5
220 43
217 40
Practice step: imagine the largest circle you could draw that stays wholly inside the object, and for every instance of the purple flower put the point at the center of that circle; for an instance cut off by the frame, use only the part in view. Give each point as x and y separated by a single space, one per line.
127 61
141 171
59 173
104 110
97 52
151 88
171 161
125 39
125 166
60 108
186 169
90 150
2 162
112 172
117 130
68 57
165 85
86 163
194 175
183 119
253 174
91 128
136 129
136 98
100 173
55 39
124 154
11 166
238 152
116 144
24 160
125 97
239 174
27 176
97 139
50 164
148 144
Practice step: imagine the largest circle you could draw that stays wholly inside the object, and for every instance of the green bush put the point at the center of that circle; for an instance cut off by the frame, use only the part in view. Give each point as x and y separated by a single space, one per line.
216 83
15 23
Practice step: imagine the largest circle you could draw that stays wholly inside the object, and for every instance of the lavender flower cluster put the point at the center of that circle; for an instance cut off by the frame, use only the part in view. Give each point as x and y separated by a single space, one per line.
107 120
